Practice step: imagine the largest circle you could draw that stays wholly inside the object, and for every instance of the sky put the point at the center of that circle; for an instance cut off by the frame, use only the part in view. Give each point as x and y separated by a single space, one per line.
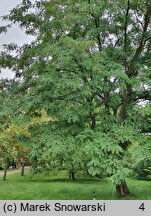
14 35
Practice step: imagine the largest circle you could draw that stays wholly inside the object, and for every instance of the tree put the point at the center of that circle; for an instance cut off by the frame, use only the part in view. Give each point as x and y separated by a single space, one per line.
12 149
6 147
55 152
89 67
6 151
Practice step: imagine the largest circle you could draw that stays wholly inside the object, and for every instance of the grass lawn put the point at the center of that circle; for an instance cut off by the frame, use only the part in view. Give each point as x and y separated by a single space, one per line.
58 187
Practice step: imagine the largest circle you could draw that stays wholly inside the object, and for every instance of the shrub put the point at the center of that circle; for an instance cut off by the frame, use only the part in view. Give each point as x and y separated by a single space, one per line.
143 170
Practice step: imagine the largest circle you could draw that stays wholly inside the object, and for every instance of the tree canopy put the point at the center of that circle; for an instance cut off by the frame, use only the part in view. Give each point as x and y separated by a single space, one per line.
89 69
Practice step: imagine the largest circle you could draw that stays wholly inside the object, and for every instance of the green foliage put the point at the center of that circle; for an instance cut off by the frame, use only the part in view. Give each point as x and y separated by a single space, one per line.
88 69
142 170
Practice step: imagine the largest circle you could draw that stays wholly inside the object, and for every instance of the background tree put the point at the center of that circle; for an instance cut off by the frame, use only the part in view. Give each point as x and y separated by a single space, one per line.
6 151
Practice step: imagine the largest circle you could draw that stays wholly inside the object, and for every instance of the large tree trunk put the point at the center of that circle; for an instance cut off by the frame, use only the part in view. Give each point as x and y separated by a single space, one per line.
122 189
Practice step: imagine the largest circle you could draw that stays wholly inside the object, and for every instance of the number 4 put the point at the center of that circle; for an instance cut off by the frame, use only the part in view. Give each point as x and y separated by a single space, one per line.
142 207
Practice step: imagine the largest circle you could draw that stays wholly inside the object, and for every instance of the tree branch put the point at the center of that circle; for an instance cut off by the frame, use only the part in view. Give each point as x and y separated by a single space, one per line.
142 41
126 25
145 95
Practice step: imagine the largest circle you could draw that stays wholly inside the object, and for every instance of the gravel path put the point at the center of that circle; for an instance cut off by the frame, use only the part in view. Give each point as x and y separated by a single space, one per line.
10 172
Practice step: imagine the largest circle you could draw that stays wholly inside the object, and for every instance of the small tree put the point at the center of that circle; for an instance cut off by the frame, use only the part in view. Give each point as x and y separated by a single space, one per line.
6 152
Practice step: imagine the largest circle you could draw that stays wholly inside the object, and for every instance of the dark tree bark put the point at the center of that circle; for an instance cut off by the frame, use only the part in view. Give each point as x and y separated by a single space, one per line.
122 189
72 176
5 170
93 122
23 168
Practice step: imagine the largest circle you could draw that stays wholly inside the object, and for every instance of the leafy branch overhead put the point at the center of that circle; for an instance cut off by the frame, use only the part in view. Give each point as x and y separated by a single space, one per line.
89 70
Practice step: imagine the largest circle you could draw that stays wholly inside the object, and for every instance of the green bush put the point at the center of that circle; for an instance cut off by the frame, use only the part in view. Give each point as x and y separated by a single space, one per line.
143 170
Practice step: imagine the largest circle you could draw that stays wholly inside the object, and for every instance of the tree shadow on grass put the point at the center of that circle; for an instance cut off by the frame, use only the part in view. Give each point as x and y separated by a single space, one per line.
65 180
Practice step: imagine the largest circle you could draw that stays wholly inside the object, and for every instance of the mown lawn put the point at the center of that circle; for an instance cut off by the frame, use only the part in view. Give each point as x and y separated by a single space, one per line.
59 187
